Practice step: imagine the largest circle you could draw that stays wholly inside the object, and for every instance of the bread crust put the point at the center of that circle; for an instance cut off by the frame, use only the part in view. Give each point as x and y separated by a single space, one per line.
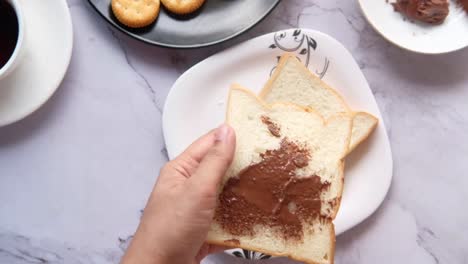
227 243
369 131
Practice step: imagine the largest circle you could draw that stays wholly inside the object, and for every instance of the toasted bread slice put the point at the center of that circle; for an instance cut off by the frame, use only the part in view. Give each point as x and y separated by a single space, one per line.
325 140
293 82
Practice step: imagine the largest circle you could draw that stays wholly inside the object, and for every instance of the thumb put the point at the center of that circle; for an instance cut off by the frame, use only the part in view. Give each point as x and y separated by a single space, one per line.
217 160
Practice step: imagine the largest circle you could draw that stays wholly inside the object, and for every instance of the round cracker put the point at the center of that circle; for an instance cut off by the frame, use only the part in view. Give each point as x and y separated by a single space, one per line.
182 7
136 13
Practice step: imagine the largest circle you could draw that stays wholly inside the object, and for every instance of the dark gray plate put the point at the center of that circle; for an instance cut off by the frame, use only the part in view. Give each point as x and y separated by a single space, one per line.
216 21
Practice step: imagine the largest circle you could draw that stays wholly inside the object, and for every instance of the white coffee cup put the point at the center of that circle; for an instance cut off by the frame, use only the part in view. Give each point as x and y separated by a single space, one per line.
16 55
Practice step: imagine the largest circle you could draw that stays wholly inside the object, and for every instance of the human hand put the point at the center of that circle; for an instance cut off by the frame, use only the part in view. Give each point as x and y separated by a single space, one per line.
181 207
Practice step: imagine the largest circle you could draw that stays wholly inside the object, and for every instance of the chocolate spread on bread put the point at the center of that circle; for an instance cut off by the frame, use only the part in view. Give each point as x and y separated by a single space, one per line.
269 193
272 127
428 11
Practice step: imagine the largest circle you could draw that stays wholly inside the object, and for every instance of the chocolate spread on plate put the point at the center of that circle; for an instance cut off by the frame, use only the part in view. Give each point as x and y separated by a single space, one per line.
428 11
272 127
270 193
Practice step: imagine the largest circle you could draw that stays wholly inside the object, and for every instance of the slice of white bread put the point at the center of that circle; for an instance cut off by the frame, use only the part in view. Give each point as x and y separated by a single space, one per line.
327 142
293 82
363 125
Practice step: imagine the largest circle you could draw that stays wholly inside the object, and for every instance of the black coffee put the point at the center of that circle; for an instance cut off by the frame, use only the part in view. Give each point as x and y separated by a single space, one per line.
8 31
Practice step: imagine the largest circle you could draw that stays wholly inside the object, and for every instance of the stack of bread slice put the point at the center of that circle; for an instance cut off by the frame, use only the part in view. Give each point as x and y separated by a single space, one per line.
284 187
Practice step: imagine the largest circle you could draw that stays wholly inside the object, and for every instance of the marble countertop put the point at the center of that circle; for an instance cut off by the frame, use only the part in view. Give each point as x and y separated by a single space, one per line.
75 175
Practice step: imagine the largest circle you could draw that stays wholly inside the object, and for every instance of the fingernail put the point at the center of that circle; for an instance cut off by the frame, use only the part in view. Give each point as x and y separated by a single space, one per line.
222 133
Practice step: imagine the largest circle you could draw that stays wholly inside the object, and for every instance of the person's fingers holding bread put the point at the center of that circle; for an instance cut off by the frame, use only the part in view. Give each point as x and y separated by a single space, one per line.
187 162
214 164
182 205
198 149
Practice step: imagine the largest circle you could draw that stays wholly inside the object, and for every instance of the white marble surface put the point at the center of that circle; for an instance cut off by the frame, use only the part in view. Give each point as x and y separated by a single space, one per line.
75 175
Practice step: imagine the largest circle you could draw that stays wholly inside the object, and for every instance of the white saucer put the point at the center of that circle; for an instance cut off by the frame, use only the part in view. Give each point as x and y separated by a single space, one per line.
452 35
197 103
48 48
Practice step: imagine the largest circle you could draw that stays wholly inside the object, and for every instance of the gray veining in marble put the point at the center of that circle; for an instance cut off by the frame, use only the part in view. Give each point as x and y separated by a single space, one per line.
75 174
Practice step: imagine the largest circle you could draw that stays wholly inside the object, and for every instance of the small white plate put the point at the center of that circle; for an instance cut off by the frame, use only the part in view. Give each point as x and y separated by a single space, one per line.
45 59
197 102
450 36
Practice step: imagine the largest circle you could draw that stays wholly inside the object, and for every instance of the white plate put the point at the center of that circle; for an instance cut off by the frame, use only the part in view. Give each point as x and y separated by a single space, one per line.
452 35
197 104
48 48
